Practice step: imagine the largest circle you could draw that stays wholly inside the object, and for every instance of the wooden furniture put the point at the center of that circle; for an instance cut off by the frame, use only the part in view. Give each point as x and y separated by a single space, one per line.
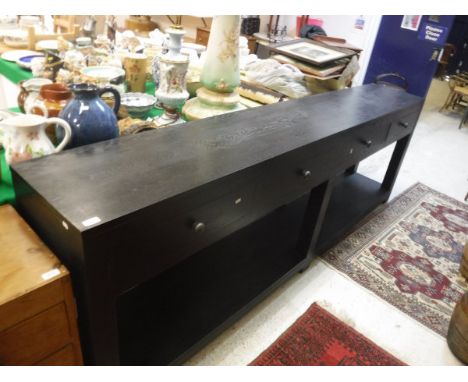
174 234
252 43
34 38
203 35
461 98
37 309
460 80
464 262
140 24
448 53
64 24
457 336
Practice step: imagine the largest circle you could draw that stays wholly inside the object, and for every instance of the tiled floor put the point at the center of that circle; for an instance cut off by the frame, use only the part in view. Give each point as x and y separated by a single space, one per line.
438 157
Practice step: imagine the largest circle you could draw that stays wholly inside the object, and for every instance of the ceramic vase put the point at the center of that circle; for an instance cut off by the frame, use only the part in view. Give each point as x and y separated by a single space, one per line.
221 70
90 118
173 65
220 75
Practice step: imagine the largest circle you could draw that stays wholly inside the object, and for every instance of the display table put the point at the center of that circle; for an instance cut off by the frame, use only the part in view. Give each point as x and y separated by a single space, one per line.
7 193
15 74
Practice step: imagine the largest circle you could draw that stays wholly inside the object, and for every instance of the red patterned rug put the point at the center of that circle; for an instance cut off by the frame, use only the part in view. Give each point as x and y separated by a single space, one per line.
409 253
318 338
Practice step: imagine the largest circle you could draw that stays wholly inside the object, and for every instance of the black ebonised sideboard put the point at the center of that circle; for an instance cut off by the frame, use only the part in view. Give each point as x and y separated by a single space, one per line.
171 235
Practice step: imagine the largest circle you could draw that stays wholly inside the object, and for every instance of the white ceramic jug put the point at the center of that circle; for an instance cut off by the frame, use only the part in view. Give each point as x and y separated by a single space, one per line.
24 137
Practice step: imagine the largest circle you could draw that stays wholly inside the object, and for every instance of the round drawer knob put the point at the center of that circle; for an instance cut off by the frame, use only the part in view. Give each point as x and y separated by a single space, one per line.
198 226
404 124
306 173
368 143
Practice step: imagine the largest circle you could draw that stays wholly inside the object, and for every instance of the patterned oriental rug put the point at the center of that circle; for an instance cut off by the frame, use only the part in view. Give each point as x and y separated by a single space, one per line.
318 338
409 253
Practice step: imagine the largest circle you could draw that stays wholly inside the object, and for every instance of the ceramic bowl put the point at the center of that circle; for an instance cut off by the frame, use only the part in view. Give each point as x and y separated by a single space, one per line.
50 45
84 41
138 105
105 74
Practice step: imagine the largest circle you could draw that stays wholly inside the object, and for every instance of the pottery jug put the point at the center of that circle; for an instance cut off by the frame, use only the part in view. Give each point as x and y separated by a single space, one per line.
24 137
53 97
30 92
90 119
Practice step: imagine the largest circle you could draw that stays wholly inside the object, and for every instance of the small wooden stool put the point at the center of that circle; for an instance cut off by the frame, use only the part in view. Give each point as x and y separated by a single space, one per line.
457 337
464 263
461 93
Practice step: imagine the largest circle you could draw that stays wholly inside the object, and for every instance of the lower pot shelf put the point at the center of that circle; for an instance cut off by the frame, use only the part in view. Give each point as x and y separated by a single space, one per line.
353 197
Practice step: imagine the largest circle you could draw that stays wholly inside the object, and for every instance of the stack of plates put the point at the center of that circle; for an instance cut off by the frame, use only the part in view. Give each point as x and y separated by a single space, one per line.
23 58
15 38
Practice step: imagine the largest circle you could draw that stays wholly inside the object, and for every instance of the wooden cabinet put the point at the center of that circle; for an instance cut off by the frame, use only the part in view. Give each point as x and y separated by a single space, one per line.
195 226
37 308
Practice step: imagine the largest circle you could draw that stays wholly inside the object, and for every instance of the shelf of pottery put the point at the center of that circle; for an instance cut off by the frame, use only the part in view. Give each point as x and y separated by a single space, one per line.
126 81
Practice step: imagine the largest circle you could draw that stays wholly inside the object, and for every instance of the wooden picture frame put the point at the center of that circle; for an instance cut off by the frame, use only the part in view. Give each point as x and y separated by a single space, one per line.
311 51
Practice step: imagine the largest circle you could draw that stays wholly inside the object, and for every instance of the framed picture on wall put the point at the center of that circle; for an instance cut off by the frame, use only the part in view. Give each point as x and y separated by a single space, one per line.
411 22
311 52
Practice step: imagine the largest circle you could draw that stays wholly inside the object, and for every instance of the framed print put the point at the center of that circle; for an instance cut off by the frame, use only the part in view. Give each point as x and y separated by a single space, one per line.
311 51
411 22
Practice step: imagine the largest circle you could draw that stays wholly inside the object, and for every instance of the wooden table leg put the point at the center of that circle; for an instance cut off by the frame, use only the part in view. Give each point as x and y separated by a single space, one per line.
395 163
464 117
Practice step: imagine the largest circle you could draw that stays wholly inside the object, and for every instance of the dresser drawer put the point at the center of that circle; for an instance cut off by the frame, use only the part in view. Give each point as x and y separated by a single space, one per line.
63 357
403 124
164 243
369 138
34 339
287 178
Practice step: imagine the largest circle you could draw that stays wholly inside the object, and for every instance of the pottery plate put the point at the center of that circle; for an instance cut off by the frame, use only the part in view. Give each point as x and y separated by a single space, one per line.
25 62
15 55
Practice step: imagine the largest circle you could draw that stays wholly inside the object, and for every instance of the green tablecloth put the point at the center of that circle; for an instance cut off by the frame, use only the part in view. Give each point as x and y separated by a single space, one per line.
13 72
7 194
16 74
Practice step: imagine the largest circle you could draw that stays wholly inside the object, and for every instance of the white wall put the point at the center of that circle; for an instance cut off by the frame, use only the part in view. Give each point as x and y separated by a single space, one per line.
344 26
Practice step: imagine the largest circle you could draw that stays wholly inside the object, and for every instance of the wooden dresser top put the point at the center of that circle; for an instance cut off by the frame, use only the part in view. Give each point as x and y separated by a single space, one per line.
113 178
25 262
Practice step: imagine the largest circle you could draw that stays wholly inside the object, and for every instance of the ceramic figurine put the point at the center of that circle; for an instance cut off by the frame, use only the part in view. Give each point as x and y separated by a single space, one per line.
52 65
24 137
111 28
98 123
220 75
89 28
172 92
